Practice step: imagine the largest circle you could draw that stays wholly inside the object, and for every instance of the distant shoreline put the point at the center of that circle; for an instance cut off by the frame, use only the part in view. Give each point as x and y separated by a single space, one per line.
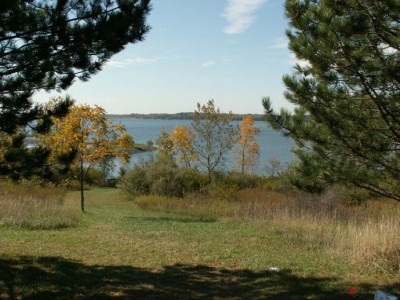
178 116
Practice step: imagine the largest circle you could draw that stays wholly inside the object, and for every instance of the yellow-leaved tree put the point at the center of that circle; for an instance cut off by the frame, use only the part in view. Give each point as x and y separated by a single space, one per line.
182 138
247 150
91 134
165 145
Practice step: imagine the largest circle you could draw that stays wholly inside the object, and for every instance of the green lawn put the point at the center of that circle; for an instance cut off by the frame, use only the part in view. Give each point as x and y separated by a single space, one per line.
120 251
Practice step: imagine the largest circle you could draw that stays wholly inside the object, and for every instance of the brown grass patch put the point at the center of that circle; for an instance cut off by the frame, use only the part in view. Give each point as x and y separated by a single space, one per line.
29 205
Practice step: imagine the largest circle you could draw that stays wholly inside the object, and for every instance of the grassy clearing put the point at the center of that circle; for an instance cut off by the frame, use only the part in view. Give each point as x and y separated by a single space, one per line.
367 235
197 249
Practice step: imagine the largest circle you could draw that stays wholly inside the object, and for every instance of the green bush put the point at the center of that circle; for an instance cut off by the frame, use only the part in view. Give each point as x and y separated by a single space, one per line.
165 179
224 191
94 177
134 181
194 181
277 184
242 181
161 177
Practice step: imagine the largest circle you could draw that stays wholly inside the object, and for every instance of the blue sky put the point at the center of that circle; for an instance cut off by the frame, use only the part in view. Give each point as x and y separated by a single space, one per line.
232 51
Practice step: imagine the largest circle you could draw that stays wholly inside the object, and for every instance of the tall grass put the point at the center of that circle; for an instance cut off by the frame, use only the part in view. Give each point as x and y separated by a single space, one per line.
365 235
30 205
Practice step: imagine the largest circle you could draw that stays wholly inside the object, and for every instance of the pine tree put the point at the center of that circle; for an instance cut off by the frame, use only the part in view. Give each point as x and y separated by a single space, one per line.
347 118
46 45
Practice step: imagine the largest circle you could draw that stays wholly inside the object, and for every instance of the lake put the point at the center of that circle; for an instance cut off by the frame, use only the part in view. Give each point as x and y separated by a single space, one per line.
273 145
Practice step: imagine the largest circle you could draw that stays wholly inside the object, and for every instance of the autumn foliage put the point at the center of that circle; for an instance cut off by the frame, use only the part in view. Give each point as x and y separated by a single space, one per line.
247 150
210 139
182 138
165 145
89 133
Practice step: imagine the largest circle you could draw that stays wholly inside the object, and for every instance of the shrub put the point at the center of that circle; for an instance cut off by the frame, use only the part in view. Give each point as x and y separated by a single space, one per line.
224 191
134 181
165 179
345 195
170 186
226 187
277 184
194 181
94 176
161 177
242 181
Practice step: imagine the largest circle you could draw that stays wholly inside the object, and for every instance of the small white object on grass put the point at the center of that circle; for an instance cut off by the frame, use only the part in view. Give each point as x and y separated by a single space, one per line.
274 269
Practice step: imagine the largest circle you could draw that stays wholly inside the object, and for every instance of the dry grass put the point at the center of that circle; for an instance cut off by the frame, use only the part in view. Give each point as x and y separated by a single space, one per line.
31 206
366 235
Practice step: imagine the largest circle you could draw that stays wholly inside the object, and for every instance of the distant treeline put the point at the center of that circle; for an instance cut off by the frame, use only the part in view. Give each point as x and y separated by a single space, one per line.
182 116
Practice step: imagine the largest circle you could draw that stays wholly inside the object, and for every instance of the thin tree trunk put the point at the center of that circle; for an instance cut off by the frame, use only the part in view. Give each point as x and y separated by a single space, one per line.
81 175
209 169
243 161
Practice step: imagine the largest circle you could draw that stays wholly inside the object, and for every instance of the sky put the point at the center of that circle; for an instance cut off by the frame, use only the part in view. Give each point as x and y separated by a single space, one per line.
232 51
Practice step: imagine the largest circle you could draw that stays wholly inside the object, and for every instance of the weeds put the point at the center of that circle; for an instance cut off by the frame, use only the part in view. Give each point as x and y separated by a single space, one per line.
30 205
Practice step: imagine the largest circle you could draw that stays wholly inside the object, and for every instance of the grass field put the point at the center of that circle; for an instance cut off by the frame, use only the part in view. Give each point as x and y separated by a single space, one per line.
118 250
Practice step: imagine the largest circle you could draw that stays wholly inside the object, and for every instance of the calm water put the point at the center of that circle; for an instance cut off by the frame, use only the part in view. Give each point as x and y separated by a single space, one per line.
272 144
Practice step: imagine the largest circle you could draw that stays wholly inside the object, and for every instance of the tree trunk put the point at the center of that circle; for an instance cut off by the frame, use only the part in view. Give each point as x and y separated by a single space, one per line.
209 169
243 161
81 177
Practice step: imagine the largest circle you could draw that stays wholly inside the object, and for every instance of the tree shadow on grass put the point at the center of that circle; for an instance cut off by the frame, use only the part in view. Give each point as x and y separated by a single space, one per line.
59 278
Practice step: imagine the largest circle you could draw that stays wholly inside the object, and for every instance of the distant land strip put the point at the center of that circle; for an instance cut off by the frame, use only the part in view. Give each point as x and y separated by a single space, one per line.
179 116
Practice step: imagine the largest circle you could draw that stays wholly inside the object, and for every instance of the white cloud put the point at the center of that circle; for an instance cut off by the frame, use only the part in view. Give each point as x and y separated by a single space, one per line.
132 61
279 43
208 63
387 50
293 60
227 59
143 60
240 14
114 64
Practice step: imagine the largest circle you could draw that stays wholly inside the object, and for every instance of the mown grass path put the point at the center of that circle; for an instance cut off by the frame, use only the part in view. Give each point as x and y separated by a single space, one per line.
119 251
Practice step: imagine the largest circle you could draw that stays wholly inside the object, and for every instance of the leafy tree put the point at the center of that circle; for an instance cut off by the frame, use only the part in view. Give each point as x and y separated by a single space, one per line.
106 166
90 133
182 138
149 145
46 45
273 167
165 146
214 136
247 151
347 118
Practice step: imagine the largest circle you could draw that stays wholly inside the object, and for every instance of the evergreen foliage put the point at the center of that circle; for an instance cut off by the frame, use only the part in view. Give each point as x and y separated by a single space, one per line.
347 118
46 45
